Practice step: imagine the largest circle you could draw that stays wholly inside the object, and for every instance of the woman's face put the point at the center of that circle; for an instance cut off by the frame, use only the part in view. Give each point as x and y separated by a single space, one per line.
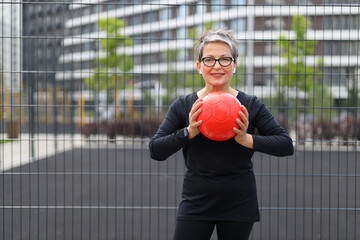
216 76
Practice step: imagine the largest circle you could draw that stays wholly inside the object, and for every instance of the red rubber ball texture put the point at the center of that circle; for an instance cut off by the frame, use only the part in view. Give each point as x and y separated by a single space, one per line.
218 114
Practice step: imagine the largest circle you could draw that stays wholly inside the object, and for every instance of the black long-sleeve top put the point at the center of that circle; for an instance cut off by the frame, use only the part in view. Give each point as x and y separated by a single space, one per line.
219 183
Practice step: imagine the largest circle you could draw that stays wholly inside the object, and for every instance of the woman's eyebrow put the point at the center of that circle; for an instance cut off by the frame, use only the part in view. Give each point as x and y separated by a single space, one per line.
224 55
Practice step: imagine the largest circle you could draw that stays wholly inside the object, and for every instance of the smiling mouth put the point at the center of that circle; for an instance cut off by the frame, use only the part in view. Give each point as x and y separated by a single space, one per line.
217 74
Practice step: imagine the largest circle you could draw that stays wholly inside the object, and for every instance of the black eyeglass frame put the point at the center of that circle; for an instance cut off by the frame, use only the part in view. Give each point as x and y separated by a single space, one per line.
218 60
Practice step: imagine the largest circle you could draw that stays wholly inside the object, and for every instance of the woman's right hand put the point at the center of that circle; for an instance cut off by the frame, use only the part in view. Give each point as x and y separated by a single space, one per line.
194 113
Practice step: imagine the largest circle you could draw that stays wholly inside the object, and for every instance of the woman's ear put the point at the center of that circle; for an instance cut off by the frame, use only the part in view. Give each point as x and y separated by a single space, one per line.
198 66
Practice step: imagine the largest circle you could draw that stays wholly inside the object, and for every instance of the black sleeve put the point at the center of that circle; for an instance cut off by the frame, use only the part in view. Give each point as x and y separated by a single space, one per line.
170 136
273 138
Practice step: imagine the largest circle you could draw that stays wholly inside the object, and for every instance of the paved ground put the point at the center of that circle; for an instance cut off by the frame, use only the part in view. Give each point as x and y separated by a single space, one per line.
108 191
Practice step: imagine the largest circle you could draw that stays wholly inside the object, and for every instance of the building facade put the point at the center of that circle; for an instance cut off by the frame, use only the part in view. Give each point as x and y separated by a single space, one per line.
156 27
42 34
10 31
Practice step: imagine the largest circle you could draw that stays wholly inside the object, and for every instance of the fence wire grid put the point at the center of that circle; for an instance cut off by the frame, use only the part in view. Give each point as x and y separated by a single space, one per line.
84 84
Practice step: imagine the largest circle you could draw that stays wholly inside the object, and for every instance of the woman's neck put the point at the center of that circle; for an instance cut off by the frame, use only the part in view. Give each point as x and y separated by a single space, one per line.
206 90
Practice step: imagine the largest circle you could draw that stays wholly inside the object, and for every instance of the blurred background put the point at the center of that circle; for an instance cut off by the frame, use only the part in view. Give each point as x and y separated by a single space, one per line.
84 84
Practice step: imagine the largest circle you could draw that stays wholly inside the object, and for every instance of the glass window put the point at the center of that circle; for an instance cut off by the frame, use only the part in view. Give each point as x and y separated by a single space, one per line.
149 17
181 55
340 48
85 29
181 33
151 37
181 11
164 35
237 3
86 11
241 49
334 76
220 24
217 5
238 25
86 47
136 20
304 2
110 7
200 8
96 8
136 39
341 2
164 14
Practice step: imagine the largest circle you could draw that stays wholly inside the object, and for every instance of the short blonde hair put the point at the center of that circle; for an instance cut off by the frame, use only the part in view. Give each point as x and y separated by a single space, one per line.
217 35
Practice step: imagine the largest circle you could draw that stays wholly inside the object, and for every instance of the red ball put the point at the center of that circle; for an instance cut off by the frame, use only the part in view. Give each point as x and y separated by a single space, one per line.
218 114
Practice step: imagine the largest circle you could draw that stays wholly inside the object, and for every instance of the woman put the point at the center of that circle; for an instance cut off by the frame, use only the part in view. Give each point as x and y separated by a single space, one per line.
219 185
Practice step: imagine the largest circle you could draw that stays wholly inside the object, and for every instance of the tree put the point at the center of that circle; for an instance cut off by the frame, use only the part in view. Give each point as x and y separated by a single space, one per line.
112 67
297 74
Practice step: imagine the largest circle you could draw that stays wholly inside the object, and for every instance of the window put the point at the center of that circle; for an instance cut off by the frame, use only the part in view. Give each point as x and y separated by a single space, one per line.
164 35
217 5
86 11
200 8
341 48
136 39
149 17
110 7
136 20
86 47
164 14
335 76
341 2
181 33
181 56
236 3
85 29
275 23
241 49
341 22
238 25
181 11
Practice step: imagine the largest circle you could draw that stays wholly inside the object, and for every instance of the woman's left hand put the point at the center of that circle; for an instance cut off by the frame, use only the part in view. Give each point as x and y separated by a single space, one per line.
242 137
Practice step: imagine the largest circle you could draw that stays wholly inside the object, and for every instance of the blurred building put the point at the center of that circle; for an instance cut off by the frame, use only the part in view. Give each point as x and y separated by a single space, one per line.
157 26
10 31
42 34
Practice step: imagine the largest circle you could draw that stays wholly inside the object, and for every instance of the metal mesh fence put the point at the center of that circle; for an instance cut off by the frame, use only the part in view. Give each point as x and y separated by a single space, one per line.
84 84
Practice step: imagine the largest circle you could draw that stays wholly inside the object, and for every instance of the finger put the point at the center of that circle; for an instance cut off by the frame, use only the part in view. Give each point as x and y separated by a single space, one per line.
196 114
240 123
244 110
196 105
243 117
237 131
198 123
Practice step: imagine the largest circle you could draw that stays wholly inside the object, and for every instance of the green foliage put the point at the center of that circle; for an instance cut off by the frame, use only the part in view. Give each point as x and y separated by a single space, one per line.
298 75
112 66
238 77
296 72
320 100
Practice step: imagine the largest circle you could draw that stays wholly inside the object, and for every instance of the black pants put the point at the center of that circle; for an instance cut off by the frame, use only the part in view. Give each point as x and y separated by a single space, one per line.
202 230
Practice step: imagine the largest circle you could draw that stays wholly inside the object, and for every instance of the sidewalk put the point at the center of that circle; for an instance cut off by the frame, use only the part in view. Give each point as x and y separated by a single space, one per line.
26 149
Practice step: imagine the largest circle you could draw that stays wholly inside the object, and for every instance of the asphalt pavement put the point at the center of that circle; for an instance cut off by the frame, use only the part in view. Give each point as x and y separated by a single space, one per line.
115 192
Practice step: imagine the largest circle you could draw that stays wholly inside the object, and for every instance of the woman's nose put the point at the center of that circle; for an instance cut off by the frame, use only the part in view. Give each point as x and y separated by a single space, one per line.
217 64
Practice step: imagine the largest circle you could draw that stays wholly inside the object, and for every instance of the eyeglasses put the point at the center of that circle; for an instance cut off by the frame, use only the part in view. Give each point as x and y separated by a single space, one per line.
224 61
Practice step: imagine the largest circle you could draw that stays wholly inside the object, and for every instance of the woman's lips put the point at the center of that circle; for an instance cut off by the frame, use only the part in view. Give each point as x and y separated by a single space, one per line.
217 74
